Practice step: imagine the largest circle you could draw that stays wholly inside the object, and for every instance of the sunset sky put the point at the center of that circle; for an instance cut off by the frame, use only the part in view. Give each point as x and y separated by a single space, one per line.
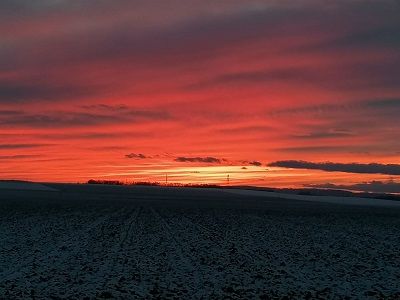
273 93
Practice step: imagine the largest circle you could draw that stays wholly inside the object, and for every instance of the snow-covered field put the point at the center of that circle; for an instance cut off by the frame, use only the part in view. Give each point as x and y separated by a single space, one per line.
116 242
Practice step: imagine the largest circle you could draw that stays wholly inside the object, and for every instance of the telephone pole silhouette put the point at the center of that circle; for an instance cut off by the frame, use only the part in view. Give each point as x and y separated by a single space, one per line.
227 179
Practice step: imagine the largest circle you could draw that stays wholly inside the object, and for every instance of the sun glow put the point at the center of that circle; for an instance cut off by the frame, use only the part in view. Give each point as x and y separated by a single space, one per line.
194 174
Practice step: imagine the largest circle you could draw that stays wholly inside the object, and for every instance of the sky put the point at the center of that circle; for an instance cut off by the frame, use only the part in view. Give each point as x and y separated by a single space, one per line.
271 93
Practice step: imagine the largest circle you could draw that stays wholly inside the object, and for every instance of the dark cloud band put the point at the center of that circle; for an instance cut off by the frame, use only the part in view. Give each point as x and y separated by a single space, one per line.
199 159
373 186
136 155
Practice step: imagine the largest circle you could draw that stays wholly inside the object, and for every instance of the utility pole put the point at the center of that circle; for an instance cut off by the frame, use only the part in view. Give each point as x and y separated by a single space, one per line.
166 178
227 179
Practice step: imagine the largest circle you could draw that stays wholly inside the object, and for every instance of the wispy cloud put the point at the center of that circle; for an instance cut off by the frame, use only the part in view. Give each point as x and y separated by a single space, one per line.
18 90
20 156
22 146
322 149
87 117
331 134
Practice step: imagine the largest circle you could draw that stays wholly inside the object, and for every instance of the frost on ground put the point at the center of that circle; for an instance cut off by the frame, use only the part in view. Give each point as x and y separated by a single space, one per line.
171 244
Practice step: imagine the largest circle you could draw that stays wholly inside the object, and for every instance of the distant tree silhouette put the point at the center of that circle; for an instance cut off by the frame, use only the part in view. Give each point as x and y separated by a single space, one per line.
156 183
106 182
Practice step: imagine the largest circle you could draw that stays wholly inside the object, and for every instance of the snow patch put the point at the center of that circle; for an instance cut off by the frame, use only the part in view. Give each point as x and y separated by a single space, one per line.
25 186
326 199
